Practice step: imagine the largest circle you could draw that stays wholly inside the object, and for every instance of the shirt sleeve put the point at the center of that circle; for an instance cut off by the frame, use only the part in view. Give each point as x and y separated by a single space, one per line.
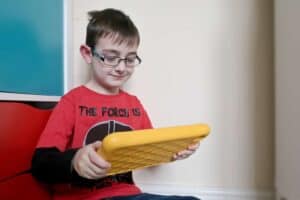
49 165
59 128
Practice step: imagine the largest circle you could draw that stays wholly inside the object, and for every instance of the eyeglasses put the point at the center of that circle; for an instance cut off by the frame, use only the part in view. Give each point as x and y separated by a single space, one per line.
114 61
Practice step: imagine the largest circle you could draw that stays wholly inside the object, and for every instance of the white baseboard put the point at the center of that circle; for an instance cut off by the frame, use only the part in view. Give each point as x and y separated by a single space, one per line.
208 193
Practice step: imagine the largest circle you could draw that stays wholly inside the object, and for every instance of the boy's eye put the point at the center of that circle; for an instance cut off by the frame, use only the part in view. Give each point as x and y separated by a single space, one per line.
131 59
111 58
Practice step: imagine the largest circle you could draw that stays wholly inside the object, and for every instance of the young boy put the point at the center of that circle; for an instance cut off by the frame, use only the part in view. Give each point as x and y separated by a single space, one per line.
66 154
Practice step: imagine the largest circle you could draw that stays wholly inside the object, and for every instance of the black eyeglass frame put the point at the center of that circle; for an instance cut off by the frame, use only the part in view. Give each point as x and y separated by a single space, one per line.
102 57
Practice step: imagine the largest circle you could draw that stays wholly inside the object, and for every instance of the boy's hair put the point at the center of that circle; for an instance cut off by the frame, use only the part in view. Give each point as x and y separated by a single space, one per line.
111 23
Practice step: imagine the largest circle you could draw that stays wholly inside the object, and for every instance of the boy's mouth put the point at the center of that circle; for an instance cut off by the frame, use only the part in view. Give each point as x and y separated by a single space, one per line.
118 76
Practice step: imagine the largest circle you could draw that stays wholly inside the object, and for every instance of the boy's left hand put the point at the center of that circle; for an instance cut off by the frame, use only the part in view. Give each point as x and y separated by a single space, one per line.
186 153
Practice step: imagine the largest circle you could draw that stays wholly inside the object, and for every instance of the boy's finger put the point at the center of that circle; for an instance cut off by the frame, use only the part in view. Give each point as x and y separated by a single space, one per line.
193 146
185 153
97 172
96 145
89 174
179 157
98 160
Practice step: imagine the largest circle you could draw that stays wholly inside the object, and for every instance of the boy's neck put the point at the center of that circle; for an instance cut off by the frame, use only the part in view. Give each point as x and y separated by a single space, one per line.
92 85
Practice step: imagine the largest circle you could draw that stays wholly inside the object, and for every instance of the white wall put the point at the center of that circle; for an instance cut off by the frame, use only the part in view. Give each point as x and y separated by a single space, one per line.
203 61
287 32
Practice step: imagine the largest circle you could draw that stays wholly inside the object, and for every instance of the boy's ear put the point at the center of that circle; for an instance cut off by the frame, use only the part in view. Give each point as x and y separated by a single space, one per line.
86 53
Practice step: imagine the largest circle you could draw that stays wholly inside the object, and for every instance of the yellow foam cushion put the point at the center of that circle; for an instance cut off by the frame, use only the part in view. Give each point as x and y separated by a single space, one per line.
131 150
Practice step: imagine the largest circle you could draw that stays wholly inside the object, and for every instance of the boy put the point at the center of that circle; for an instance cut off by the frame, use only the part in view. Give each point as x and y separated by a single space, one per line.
66 154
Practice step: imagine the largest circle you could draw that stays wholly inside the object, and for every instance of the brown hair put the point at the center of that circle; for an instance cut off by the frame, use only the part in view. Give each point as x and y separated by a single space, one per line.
111 23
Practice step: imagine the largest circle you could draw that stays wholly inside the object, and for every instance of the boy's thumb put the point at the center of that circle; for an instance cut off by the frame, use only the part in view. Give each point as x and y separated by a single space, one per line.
96 145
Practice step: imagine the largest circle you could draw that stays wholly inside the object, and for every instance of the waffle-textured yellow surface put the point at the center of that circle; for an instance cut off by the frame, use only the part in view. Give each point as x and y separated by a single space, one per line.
131 150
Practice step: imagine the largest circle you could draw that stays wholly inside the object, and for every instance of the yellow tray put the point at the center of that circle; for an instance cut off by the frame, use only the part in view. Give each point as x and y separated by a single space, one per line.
131 150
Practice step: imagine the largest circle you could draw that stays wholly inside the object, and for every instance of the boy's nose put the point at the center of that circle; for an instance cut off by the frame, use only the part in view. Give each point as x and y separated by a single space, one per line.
121 66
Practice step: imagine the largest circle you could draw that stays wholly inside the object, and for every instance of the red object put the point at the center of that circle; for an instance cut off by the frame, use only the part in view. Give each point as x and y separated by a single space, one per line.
23 187
20 129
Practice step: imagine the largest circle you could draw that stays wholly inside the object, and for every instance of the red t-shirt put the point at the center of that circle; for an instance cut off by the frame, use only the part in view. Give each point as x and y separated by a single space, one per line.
83 116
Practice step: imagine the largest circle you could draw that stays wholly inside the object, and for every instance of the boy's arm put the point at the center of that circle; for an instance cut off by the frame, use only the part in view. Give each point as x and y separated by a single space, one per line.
53 166
77 166
51 162
186 153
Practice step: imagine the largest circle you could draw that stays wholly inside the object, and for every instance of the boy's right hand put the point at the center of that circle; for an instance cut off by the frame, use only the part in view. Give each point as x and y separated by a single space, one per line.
88 163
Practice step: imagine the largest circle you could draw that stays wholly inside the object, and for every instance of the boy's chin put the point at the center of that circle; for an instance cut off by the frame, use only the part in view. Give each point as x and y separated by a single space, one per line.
116 85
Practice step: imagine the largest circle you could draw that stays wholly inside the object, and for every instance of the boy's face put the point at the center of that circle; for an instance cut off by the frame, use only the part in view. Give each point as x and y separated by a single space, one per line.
111 78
